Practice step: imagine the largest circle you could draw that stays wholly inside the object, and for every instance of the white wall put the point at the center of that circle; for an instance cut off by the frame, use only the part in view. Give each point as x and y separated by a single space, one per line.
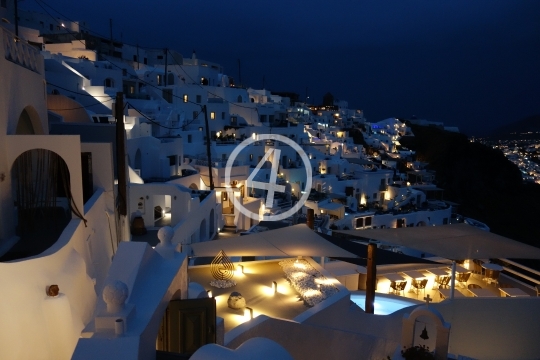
21 88
81 254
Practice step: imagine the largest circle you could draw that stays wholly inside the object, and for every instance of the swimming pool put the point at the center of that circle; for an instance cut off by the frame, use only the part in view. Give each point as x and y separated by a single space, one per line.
384 304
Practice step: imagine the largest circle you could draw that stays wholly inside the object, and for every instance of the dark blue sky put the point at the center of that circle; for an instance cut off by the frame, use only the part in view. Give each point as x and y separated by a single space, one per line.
470 63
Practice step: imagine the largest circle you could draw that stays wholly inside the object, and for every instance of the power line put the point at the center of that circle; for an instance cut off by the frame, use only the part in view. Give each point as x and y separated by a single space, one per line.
165 75
82 106
86 27
157 123
217 96
76 92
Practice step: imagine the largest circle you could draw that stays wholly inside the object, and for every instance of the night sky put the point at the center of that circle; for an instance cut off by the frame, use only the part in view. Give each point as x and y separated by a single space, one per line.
469 63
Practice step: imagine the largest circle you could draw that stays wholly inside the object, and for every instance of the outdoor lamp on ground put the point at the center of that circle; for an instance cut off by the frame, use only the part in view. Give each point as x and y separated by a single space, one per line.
209 292
248 313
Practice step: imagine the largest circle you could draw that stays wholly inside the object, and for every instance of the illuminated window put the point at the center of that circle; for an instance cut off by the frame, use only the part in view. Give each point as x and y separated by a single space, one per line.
185 98
212 115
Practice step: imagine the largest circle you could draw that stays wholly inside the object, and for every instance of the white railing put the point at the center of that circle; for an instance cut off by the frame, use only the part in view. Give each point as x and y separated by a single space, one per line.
19 52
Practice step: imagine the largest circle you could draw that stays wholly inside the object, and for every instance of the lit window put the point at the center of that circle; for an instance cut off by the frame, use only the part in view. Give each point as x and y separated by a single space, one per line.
212 115
185 98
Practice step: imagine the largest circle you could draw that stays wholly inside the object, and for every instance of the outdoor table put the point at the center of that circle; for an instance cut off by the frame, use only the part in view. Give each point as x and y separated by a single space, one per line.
482 293
492 272
413 274
445 293
513 292
438 272
460 269
394 277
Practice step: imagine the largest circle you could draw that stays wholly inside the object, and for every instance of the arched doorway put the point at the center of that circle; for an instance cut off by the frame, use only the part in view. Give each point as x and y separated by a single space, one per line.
43 201
29 122
202 231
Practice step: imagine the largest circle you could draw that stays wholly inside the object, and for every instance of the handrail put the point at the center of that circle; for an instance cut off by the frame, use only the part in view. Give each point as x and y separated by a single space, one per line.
522 266
521 275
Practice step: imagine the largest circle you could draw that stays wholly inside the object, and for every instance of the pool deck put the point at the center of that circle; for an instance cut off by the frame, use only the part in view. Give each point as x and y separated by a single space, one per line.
255 286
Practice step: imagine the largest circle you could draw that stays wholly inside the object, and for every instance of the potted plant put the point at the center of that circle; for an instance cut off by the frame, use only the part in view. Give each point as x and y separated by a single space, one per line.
417 352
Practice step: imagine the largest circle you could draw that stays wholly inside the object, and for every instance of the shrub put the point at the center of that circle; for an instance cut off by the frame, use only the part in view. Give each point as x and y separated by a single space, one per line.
417 352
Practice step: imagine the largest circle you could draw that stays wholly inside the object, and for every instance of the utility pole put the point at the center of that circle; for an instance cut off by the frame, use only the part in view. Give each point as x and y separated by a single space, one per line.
239 74
371 280
208 154
165 76
138 60
111 45
16 18
121 164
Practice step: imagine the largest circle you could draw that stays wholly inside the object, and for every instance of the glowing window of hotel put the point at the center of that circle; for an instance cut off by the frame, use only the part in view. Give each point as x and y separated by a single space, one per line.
186 98
212 115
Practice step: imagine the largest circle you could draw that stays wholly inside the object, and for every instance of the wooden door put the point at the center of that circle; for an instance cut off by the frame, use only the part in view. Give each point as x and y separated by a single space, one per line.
187 325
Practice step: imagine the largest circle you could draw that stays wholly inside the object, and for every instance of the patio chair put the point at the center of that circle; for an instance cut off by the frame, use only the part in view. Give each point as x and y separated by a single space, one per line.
394 287
463 278
398 286
419 285
443 281
402 286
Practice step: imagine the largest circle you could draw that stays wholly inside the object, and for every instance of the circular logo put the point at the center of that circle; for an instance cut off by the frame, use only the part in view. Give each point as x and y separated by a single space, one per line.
272 185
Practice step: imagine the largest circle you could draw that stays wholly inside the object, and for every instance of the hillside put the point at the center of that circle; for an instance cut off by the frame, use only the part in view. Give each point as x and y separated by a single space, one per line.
487 186
527 128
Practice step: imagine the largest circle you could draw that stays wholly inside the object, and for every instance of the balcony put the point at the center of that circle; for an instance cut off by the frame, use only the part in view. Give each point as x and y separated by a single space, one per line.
20 53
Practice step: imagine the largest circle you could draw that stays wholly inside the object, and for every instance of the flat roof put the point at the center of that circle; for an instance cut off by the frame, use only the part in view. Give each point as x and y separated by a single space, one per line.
455 241
296 240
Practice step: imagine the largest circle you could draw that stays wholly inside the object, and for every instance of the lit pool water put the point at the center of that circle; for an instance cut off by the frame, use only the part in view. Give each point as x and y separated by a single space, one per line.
384 305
